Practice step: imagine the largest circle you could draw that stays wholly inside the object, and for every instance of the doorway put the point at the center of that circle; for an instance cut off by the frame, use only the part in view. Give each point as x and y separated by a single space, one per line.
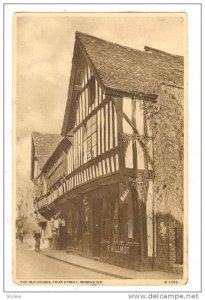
96 227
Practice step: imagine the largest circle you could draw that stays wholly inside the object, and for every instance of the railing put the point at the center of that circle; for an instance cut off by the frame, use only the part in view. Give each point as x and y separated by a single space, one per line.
102 165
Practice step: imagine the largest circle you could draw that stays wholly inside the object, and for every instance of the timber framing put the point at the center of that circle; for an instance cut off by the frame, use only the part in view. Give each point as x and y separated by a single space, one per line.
100 174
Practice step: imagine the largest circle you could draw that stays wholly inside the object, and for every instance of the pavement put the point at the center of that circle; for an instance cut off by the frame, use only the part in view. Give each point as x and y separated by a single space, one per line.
106 269
33 266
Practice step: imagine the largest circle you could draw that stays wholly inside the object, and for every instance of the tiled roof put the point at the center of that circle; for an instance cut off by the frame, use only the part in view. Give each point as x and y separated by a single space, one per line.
45 144
129 70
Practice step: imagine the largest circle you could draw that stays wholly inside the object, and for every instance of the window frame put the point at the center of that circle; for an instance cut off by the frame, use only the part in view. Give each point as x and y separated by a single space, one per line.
89 146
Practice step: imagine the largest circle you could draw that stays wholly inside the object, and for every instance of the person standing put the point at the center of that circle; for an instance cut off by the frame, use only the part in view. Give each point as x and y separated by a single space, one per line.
60 236
21 234
37 237
54 238
56 233
50 232
64 236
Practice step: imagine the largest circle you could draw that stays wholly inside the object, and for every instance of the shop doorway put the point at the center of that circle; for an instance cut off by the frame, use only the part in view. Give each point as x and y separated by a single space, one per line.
96 227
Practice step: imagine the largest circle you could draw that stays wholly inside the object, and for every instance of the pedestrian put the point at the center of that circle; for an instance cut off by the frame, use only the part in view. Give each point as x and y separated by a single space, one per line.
56 233
54 238
60 235
21 235
37 237
49 233
64 236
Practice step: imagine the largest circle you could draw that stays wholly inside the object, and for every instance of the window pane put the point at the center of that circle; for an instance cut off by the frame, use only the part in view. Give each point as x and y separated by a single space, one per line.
94 119
94 151
123 222
85 152
84 131
94 128
108 211
89 131
123 229
94 139
88 123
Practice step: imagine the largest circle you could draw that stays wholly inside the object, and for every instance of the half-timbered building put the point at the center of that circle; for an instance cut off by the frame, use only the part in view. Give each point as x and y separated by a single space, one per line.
110 175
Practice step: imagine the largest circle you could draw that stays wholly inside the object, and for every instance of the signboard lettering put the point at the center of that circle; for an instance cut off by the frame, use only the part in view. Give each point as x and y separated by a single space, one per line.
118 249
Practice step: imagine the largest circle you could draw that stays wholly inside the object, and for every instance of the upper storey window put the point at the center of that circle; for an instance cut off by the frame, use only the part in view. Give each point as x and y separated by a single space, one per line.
91 91
89 139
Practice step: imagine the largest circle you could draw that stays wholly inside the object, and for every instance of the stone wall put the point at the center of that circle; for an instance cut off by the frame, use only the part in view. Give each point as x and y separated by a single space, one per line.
169 172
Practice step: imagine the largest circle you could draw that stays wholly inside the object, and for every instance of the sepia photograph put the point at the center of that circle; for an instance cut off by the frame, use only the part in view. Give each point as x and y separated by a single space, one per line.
100 149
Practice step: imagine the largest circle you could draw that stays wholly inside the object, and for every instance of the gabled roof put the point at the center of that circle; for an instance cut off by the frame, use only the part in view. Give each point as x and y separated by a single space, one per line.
62 145
129 70
123 69
45 144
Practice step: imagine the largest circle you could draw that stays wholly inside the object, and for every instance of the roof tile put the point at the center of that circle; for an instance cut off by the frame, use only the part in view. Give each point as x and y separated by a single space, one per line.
129 70
45 144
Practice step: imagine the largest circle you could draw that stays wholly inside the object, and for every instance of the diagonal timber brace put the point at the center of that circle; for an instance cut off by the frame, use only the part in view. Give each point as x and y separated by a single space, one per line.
142 144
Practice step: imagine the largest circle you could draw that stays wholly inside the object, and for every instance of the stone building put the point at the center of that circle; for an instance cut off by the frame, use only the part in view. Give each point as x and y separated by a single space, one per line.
115 174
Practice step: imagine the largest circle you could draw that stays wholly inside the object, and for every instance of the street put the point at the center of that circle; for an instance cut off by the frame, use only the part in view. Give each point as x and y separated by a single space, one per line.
33 265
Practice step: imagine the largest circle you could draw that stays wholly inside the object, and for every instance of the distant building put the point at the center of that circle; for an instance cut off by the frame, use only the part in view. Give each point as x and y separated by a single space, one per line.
25 215
115 175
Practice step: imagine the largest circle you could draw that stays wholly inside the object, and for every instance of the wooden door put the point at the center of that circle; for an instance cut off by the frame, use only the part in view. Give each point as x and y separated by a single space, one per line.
96 227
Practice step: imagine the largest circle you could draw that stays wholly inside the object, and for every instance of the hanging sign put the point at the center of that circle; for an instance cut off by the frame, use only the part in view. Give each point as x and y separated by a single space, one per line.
125 194
129 182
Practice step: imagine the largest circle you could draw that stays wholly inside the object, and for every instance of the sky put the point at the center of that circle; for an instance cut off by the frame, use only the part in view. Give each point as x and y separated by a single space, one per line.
43 49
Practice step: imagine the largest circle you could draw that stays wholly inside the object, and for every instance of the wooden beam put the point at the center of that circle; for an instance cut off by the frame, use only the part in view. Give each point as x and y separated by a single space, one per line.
77 88
142 144
138 95
134 145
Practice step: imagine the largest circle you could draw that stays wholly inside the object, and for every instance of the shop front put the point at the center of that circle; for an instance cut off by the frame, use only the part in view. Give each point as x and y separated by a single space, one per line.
127 222
112 223
89 218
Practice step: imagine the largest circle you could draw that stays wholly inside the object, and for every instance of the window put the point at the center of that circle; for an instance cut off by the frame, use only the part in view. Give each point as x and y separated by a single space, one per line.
123 222
179 244
91 91
89 139
108 211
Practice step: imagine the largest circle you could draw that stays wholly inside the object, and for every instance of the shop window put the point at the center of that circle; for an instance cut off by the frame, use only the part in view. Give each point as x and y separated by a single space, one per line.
123 222
89 139
179 244
108 211
76 225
